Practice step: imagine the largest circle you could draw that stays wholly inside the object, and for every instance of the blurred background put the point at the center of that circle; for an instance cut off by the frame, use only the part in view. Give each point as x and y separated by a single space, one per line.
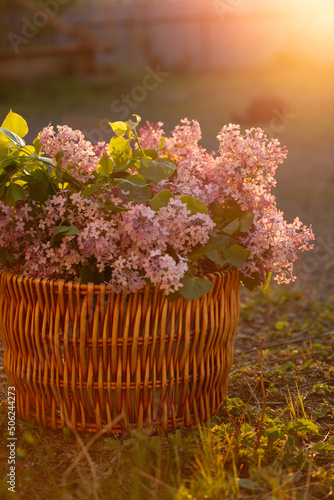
267 63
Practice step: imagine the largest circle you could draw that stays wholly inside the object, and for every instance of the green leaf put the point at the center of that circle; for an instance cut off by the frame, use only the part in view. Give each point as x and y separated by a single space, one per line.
172 252
161 199
302 425
29 437
118 176
37 180
323 448
246 221
107 206
232 227
152 153
14 138
40 184
134 124
173 297
3 256
220 241
137 155
12 260
90 189
155 170
214 250
38 190
194 205
87 275
41 175
231 213
120 151
59 166
106 165
31 165
15 123
248 484
119 128
218 211
3 150
135 180
281 325
67 230
37 145
12 194
199 253
10 160
11 168
48 161
266 284
219 257
237 256
193 288
64 231
136 188
250 282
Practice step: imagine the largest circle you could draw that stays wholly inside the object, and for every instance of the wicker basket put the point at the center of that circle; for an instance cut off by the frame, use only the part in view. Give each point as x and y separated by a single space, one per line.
81 355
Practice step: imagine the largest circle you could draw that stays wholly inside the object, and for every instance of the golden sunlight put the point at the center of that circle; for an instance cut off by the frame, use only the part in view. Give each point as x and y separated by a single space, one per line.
310 25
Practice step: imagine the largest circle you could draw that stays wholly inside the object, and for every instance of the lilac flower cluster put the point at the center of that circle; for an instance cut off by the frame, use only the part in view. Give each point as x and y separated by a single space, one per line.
77 152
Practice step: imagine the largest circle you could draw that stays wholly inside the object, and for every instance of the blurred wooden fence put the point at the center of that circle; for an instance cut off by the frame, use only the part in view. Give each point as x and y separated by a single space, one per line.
44 37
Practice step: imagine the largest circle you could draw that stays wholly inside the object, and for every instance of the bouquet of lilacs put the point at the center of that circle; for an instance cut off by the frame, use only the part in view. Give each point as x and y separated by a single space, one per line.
145 208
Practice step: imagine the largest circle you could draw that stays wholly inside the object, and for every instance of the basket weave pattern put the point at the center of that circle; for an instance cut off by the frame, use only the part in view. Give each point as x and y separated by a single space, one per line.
81 355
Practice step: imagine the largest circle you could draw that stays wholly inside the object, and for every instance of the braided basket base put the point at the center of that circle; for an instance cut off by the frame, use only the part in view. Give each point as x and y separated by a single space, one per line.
83 357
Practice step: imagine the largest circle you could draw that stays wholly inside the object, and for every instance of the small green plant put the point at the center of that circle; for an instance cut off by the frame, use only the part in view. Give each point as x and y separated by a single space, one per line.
325 409
321 388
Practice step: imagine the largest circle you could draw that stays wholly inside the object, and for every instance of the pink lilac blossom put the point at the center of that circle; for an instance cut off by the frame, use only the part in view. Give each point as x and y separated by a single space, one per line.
100 148
162 270
78 154
150 135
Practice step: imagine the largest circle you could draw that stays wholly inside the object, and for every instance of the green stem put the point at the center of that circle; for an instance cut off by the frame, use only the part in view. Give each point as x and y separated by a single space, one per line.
136 138
71 180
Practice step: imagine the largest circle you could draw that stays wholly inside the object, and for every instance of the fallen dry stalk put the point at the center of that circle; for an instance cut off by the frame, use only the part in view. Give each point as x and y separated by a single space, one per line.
259 432
84 453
